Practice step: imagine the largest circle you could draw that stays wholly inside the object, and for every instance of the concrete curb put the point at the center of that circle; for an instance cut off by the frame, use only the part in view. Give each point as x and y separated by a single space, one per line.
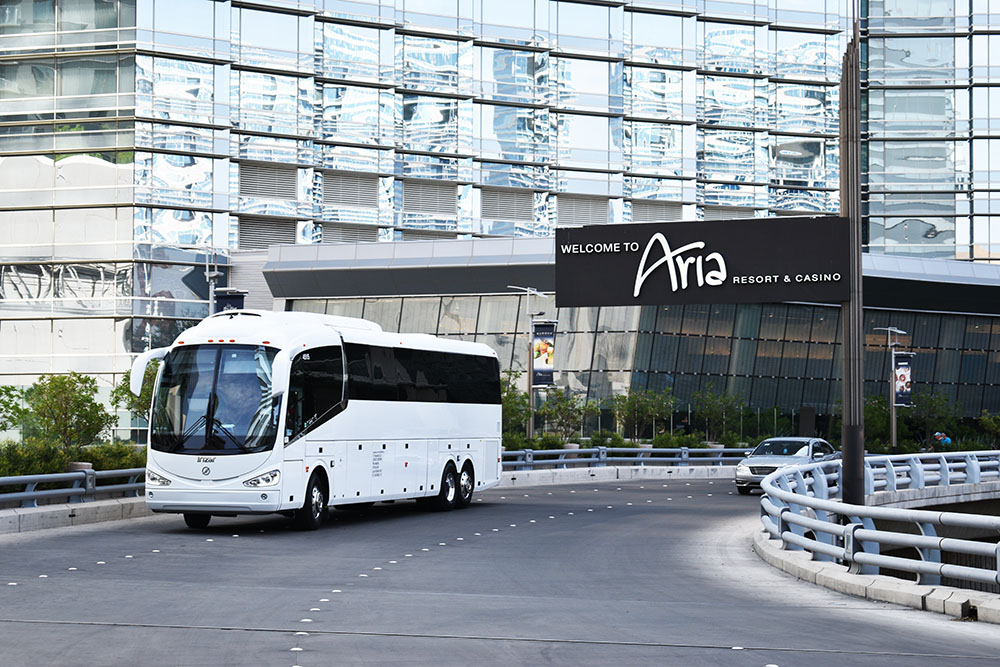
25 519
22 520
957 602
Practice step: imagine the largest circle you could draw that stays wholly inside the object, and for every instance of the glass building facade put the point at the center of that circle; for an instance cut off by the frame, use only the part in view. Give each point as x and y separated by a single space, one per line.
138 135
928 88
139 138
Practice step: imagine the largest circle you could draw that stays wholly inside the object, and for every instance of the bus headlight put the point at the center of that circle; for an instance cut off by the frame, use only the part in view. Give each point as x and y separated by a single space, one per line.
152 479
267 479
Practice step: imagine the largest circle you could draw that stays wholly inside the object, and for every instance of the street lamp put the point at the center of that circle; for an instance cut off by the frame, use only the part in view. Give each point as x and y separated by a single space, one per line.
889 331
528 291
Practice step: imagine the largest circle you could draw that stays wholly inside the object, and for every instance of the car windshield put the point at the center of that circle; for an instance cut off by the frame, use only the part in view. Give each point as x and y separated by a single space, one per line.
215 399
782 448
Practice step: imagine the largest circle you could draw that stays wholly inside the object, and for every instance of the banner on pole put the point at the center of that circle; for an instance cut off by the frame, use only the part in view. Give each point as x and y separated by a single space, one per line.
902 378
543 348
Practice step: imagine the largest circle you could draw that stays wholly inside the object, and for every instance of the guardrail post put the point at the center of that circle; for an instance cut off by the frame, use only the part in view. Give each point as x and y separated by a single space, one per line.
30 488
602 457
90 483
929 555
685 457
998 561
132 480
890 476
916 473
78 483
973 473
945 478
869 479
852 546
529 460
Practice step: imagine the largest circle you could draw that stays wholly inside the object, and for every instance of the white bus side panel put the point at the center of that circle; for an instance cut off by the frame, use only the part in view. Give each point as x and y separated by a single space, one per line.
383 459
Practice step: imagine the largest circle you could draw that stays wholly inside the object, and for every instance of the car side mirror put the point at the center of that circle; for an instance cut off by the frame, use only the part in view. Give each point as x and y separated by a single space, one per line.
818 455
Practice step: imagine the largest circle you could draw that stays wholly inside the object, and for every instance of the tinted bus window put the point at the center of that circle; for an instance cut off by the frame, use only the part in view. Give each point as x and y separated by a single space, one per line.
315 389
401 374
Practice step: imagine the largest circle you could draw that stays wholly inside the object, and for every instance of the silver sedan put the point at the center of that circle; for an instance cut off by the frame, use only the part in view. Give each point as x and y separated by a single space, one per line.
775 453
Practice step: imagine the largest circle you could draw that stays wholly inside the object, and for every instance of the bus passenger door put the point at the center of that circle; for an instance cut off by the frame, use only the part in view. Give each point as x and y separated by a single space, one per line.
333 457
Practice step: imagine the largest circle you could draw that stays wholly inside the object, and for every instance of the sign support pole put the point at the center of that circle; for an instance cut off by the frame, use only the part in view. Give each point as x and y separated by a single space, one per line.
852 481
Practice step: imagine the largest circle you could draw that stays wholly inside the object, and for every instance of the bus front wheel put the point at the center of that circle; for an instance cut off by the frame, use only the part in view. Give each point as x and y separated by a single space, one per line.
447 497
314 510
197 520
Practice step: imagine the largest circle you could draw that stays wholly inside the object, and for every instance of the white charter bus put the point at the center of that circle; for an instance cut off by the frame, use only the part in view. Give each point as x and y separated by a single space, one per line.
258 412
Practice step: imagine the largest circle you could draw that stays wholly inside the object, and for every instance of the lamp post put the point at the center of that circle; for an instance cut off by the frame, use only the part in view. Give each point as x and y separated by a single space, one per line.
528 291
889 331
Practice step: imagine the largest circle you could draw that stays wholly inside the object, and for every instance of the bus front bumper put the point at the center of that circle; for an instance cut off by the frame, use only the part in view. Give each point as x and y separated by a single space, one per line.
216 501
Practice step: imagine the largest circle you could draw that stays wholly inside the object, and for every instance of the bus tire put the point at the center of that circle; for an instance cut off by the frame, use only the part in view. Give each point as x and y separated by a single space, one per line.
197 521
448 495
466 486
313 512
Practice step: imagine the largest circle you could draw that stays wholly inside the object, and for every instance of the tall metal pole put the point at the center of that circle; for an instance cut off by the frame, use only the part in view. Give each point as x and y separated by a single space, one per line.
852 489
891 346
528 291
531 366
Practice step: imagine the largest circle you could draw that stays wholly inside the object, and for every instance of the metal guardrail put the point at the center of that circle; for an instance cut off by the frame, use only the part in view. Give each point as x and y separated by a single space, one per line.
801 509
597 457
83 485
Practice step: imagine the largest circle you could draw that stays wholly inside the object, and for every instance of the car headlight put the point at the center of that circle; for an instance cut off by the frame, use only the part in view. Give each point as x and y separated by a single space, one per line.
742 469
152 479
267 479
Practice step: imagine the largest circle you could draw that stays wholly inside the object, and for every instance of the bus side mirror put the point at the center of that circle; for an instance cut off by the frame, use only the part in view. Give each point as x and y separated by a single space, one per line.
280 369
138 372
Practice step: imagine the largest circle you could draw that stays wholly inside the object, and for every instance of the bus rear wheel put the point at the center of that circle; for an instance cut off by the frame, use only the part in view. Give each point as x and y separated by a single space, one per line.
447 497
466 486
197 520
314 510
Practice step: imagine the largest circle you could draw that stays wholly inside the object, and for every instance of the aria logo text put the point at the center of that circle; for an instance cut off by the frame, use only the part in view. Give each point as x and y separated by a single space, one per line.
707 270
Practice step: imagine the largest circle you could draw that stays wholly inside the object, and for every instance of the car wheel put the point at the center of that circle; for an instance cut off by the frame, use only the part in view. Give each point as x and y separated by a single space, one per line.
744 490
197 520
466 486
314 510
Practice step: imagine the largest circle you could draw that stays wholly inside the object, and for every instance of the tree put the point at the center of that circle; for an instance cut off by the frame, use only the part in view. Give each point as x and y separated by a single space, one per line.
12 412
877 423
990 424
714 410
62 408
123 398
566 411
634 410
514 402
931 413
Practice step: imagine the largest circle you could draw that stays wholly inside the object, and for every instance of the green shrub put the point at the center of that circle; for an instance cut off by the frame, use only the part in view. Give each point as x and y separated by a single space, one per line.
513 441
40 457
606 438
32 457
548 441
114 456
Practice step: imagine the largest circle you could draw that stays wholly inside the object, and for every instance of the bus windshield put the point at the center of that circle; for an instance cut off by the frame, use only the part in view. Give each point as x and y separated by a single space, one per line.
215 399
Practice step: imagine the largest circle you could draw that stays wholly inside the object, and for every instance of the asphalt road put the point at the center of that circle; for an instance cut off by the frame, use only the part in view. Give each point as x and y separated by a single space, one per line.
621 573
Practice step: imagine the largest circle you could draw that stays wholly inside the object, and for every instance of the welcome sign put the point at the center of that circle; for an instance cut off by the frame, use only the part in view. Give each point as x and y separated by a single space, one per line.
757 260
